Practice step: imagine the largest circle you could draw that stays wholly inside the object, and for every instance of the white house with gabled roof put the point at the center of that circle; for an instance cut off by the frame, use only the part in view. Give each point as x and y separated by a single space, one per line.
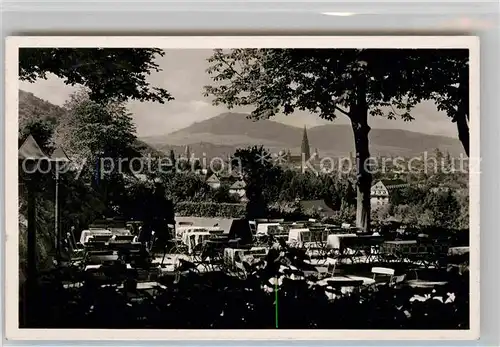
380 191
213 181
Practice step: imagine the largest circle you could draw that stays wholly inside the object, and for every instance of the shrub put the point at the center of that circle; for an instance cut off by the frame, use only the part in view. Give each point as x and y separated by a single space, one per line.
210 209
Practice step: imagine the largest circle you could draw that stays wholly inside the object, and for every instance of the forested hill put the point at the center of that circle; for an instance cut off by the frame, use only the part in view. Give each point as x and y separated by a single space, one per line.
33 109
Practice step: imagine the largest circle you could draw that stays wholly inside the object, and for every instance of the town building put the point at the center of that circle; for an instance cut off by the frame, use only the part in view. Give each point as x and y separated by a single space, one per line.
213 181
237 185
380 191
297 160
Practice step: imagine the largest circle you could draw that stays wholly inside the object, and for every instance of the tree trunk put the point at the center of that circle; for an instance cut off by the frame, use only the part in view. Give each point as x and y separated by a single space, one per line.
359 122
364 177
463 130
462 115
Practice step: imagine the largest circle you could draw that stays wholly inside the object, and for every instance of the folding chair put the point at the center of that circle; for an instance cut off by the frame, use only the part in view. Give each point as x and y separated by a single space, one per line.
387 253
77 254
178 247
331 269
241 270
396 280
199 254
352 249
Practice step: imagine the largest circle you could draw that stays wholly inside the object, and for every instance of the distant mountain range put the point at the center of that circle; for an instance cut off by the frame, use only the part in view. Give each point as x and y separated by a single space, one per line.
221 135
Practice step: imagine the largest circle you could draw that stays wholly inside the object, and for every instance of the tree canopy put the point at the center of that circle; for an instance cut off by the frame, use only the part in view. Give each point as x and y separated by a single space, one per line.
110 74
255 167
321 81
90 128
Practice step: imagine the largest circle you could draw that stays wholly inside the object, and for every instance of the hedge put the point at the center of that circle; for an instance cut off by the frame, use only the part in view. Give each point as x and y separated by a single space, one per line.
210 209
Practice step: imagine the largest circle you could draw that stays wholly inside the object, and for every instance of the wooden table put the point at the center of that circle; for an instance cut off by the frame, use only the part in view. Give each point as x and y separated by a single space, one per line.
426 253
334 241
400 243
360 248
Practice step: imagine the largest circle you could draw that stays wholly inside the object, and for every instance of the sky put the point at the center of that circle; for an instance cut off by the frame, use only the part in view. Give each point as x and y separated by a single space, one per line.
184 76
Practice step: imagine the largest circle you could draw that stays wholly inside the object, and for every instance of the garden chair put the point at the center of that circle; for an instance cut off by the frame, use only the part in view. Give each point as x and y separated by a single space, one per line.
77 255
199 254
178 247
381 276
331 268
241 271
184 266
397 280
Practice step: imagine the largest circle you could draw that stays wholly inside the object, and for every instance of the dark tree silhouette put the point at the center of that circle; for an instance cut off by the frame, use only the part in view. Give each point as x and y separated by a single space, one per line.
255 164
111 74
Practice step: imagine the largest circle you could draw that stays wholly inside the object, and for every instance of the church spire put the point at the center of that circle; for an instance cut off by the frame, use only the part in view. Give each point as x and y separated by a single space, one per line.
305 150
